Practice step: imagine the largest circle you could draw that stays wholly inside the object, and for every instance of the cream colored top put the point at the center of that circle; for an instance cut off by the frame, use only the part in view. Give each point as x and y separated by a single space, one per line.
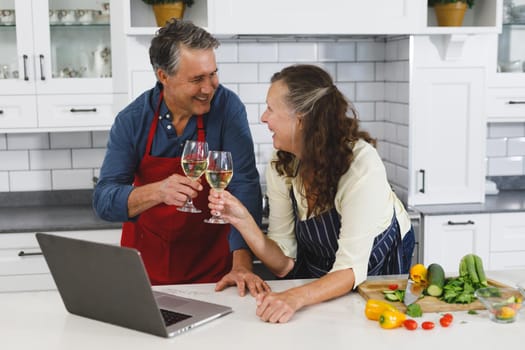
364 200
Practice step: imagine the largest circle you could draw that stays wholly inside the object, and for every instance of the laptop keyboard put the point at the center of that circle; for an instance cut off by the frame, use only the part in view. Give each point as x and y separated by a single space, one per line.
171 317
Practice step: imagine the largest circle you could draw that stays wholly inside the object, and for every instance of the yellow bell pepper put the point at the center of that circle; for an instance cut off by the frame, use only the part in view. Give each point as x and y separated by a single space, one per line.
391 319
418 273
374 308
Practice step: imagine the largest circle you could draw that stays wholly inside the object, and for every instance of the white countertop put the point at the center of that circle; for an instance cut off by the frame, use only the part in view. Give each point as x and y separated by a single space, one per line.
38 321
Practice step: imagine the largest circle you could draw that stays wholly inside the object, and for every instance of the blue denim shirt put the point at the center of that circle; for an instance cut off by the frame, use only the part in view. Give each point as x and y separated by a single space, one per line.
226 129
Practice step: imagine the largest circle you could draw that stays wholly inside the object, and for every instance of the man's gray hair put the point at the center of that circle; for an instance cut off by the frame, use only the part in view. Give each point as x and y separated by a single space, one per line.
164 52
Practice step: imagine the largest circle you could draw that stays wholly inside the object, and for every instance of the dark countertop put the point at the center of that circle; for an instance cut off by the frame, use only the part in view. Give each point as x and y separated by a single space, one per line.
504 202
52 218
77 214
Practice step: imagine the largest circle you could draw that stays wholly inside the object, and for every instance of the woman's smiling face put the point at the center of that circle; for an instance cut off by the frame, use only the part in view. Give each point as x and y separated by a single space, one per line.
281 120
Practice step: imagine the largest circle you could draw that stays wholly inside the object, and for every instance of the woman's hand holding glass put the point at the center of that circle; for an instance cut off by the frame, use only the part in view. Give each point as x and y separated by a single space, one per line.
193 161
218 174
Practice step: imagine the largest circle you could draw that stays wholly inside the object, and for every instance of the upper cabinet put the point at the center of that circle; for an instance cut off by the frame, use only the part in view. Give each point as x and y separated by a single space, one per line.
506 66
309 17
56 65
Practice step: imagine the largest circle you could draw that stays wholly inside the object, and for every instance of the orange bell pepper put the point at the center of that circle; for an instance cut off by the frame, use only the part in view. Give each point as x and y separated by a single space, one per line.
391 319
374 308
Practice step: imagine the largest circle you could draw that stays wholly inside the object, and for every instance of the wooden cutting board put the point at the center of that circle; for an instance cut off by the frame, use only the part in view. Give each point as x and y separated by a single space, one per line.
374 290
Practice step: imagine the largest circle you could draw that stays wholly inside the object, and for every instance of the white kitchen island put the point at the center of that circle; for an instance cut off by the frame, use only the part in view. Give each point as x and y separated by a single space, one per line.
38 321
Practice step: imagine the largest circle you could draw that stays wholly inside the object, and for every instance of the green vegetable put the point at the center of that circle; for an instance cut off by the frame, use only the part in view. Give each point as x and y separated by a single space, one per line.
480 271
471 267
472 312
436 280
394 295
414 310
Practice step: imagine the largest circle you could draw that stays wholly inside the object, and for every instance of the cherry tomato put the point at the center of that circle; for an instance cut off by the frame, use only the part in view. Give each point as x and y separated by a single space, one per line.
410 324
427 325
448 316
445 321
393 286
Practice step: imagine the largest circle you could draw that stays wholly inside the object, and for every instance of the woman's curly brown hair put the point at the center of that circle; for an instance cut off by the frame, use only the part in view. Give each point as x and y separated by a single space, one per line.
328 133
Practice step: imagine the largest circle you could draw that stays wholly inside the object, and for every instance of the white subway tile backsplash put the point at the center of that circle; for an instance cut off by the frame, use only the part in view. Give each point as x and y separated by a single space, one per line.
28 141
516 146
347 89
267 70
227 52
506 130
402 136
14 160
50 159
380 68
258 52
265 152
356 71
260 133
70 139
505 166
4 181
497 147
365 110
100 138
88 158
253 93
37 180
391 48
232 87
370 91
252 110
370 51
238 72
297 52
72 179
337 51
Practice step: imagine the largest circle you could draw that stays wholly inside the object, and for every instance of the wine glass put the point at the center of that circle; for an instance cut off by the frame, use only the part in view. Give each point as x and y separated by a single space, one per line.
218 174
193 163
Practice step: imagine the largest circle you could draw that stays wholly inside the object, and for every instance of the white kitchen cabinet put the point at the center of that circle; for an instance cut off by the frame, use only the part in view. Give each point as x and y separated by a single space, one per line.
447 136
309 17
507 241
22 265
55 55
506 67
447 238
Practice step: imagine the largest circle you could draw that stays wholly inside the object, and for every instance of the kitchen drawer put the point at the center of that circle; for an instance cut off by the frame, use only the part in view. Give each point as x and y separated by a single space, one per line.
506 104
75 110
507 232
22 265
507 260
17 112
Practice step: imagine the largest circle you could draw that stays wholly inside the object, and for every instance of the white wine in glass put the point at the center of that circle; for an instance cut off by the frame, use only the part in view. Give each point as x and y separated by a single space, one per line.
218 174
194 162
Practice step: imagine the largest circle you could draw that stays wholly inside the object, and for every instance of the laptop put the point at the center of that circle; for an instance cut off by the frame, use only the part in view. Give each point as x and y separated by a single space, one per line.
109 283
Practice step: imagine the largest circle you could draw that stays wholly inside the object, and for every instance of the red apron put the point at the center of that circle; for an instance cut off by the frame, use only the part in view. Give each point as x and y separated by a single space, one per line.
176 247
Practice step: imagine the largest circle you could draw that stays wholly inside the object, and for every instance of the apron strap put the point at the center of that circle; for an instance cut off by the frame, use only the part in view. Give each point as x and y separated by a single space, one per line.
201 132
153 127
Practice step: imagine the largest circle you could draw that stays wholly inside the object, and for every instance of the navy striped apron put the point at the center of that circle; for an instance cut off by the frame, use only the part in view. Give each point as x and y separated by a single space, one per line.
317 245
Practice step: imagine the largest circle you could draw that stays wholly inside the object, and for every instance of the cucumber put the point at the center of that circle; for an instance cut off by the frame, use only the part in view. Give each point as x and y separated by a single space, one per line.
480 271
436 280
463 271
471 268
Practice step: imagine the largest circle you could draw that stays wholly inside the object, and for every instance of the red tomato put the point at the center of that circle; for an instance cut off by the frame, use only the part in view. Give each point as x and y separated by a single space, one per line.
393 286
448 316
410 324
445 321
427 325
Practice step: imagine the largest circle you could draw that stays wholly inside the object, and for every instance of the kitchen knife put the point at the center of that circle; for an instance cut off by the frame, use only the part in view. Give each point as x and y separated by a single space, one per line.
412 292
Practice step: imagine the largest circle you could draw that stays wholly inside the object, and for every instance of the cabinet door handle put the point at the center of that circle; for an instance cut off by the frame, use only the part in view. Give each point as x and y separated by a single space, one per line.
42 76
452 223
1 111
26 77
422 172
516 102
22 253
77 110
